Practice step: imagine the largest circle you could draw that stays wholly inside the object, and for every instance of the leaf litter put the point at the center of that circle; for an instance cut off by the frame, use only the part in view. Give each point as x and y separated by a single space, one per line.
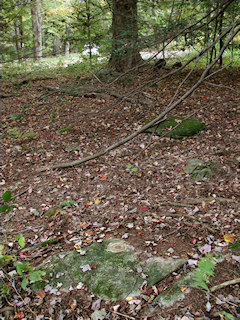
143 195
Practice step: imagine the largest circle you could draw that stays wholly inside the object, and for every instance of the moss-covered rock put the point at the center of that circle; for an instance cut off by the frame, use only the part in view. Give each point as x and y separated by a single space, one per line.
185 128
109 269
176 291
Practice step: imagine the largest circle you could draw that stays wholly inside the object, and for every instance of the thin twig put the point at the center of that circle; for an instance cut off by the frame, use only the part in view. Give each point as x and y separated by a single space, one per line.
123 315
225 284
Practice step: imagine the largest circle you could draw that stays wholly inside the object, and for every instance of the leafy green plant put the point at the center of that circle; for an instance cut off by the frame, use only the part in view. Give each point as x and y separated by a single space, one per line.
130 168
68 203
199 169
8 201
204 271
17 134
64 130
28 273
235 245
5 258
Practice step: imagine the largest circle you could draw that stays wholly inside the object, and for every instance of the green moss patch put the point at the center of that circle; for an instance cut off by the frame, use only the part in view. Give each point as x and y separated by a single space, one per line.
185 128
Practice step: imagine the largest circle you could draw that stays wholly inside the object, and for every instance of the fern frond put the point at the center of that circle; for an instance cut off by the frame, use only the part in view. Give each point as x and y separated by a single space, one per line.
204 271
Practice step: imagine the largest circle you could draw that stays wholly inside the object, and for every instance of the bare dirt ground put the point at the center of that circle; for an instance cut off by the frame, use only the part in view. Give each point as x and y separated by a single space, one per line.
156 207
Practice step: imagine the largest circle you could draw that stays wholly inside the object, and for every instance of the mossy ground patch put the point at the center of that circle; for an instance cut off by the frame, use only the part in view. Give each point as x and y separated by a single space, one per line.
185 128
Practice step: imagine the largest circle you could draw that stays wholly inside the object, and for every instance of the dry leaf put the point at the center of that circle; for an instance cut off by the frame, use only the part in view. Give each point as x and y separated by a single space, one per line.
19 315
229 238
41 294
97 201
129 299
73 304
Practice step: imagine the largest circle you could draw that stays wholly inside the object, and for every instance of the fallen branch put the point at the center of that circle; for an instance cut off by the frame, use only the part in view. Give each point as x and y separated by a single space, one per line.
191 202
156 120
44 244
94 92
225 284
195 220
210 199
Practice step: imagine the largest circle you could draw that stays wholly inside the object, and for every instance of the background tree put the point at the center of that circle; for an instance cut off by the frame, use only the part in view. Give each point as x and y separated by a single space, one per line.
37 28
125 50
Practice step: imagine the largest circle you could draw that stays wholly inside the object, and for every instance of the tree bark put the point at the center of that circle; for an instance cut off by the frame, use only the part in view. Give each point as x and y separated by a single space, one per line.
125 54
67 43
221 40
37 28
17 42
18 31
56 46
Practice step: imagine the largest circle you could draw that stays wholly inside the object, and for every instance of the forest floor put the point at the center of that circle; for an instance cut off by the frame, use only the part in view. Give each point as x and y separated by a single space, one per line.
153 203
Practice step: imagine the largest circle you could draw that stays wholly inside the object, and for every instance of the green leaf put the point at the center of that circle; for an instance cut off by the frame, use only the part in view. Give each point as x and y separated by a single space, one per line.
134 169
128 166
22 267
24 283
7 196
64 130
5 208
36 275
6 258
1 249
235 246
30 135
192 165
229 316
16 116
21 240
5 289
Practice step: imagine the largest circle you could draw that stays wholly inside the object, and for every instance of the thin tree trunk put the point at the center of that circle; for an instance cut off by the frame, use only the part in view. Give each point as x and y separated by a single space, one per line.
221 40
18 30
67 43
37 28
16 40
88 2
214 37
56 46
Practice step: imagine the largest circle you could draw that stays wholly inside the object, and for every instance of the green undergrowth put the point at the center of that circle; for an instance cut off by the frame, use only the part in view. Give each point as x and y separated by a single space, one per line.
51 67
199 169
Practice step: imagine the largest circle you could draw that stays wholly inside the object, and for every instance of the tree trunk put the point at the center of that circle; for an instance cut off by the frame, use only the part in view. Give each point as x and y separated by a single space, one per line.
17 42
125 54
67 43
18 31
57 46
37 28
221 40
